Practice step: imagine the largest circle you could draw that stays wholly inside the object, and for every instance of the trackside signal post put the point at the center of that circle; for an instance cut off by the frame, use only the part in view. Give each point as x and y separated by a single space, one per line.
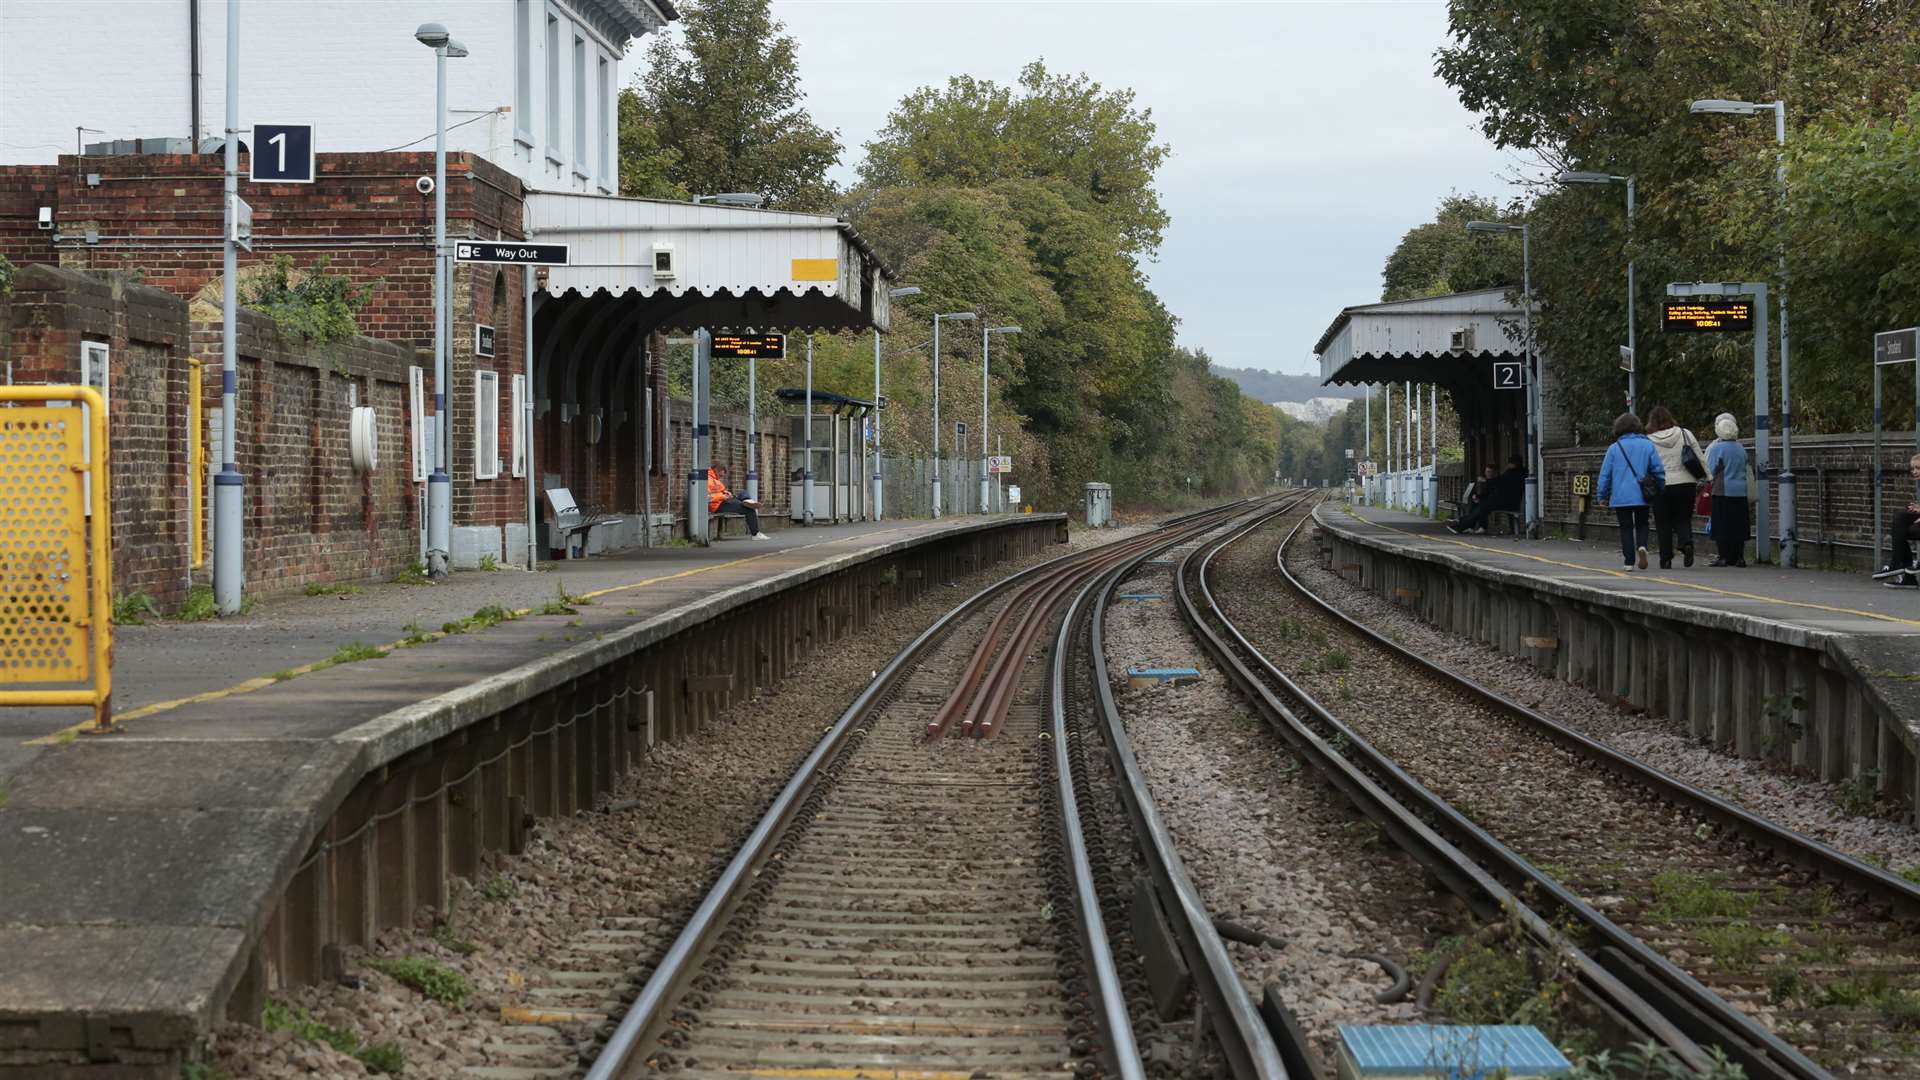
1891 348
1722 315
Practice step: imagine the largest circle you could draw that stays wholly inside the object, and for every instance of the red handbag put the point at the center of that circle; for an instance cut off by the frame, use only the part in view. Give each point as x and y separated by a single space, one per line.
1703 499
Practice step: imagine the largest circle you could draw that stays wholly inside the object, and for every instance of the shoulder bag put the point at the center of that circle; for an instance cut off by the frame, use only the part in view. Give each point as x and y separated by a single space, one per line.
1649 487
1690 456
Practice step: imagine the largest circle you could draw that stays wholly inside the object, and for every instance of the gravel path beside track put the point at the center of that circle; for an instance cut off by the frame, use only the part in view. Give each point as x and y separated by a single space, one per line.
636 874
1269 849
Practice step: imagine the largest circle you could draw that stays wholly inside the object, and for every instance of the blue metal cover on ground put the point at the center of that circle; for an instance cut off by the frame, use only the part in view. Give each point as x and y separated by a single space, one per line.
1163 672
1466 1051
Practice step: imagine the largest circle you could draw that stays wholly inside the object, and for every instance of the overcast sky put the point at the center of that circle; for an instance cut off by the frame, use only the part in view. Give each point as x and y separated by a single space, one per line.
1307 137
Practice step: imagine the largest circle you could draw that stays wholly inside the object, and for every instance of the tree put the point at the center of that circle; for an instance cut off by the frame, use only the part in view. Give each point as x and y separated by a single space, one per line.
1442 257
646 167
725 99
1054 127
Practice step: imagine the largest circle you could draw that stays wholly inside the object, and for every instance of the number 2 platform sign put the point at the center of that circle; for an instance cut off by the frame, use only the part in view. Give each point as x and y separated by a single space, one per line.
281 154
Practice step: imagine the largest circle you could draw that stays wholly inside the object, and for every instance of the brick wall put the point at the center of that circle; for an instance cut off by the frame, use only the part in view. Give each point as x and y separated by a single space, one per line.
310 516
1833 477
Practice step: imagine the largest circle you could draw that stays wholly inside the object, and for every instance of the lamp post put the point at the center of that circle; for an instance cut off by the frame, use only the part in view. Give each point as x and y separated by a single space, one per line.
1789 533
878 489
440 484
986 338
1633 353
958 316
1534 405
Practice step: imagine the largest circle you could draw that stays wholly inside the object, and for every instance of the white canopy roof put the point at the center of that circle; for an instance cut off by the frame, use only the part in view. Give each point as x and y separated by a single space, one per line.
1379 342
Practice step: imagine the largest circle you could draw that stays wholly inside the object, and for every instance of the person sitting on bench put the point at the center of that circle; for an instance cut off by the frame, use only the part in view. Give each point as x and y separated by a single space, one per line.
1902 572
1504 492
722 501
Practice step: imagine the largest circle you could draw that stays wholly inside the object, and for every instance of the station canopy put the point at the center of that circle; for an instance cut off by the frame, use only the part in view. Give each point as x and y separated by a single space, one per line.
681 265
1452 340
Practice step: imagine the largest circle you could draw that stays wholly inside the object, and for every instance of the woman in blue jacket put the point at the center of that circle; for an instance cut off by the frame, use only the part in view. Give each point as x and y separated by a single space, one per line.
1631 457
1727 464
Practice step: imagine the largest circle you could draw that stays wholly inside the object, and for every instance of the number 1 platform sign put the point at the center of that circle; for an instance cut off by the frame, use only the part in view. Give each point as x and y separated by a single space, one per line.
281 154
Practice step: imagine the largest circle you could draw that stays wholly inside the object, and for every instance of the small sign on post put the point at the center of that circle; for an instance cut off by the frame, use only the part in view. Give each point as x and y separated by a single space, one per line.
281 154
240 221
1896 346
959 427
1626 358
1000 463
1509 375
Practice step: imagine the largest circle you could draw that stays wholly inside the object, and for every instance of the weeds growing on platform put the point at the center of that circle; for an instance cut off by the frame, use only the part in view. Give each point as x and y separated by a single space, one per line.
134 609
355 651
414 573
491 615
431 978
337 588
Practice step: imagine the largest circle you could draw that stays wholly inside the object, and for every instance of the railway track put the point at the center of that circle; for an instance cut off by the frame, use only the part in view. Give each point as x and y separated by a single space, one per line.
916 902
1695 922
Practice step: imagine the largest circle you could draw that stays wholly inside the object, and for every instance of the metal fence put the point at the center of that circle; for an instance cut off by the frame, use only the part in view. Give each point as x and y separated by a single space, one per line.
907 487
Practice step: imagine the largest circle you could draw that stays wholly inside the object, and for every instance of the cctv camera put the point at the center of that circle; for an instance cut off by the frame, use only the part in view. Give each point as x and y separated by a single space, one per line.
424 185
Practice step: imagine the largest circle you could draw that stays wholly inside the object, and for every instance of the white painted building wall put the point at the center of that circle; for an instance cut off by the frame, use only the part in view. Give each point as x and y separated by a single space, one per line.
349 67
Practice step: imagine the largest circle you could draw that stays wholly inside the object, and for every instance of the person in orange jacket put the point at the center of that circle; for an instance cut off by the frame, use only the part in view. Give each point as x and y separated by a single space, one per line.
720 500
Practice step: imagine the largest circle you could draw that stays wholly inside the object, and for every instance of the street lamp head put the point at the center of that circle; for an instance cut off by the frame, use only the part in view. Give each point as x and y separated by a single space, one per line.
1724 105
961 316
1573 177
1003 330
432 35
455 50
1491 226
903 291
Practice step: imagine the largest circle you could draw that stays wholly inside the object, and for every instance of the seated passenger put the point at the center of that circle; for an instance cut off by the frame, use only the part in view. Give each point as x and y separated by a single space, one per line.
1504 492
1902 573
722 501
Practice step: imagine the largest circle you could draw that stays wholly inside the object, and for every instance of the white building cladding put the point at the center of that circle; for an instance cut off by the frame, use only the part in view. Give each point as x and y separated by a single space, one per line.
537 94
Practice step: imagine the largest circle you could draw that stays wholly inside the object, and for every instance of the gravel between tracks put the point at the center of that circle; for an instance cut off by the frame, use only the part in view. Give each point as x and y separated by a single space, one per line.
1810 807
691 803
1266 848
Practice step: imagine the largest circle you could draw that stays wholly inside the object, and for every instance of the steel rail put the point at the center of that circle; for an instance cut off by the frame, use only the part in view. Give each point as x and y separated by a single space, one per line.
1249 1046
1803 851
1763 1052
1463 876
650 1008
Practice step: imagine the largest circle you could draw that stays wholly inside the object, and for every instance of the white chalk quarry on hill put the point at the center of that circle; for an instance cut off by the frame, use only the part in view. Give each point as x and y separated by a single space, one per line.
1314 410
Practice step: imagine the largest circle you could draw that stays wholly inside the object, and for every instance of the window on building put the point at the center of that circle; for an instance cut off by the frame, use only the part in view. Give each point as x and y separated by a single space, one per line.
608 121
580 105
523 71
553 88
486 425
518 425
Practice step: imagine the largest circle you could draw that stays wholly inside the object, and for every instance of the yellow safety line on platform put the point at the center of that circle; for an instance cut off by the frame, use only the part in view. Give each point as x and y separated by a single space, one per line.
1643 575
259 683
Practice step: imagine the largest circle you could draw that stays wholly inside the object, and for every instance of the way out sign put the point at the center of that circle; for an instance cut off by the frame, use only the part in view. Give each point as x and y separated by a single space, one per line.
507 251
1509 375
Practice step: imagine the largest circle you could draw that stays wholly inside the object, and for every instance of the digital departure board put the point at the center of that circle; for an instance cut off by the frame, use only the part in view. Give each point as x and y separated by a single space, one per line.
1708 316
749 346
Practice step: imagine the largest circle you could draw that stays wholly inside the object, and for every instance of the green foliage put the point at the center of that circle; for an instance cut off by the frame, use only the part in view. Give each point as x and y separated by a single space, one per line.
446 938
6 277
199 605
355 651
720 109
1651 1061
645 165
1442 257
134 609
500 887
311 305
425 975
339 588
414 573
491 615
204 1070
1682 894
489 563
1050 127
381 1058
1860 795
415 635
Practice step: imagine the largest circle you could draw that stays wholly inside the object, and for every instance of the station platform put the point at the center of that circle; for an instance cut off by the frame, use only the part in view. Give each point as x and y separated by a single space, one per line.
1815 671
138 870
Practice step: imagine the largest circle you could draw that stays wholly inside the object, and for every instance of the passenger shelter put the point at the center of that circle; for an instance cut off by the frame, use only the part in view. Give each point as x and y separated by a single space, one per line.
640 267
1460 343
834 446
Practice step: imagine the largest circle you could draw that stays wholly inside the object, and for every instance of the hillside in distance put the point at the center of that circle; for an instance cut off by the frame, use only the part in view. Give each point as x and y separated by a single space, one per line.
1273 386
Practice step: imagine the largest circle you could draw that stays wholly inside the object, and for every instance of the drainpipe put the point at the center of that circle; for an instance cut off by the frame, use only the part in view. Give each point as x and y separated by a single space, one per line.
193 78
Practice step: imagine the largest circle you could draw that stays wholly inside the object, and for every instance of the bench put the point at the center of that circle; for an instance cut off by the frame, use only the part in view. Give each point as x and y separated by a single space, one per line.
1494 525
717 524
571 520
